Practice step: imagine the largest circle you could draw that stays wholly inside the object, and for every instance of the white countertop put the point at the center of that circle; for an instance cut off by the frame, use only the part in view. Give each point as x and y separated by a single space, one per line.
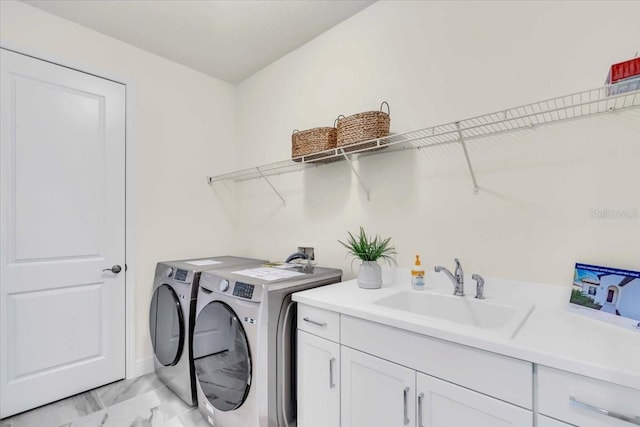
552 335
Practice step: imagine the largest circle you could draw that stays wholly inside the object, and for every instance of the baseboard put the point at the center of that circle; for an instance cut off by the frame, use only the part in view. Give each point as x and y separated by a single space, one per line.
142 367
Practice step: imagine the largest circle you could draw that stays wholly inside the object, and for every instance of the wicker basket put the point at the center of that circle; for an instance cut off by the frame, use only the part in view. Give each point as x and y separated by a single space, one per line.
306 142
363 127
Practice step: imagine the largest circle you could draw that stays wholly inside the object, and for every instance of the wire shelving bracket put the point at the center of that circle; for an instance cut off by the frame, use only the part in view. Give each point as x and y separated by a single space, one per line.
476 189
263 176
357 175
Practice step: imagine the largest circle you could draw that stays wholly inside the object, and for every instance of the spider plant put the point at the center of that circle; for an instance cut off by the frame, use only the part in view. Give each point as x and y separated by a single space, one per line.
369 249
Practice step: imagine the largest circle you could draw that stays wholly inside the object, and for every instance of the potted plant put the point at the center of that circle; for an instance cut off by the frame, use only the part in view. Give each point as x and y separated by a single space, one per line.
369 250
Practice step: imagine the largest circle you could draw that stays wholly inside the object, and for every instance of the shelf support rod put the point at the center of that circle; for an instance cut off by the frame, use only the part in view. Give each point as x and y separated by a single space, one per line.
284 203
355 172
476 189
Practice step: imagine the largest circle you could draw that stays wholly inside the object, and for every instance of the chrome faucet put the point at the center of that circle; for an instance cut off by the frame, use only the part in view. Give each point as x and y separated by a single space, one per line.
457 278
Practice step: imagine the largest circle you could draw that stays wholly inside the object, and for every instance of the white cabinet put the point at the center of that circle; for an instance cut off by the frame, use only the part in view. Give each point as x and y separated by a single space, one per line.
550 422
442 404
492 374
357 373
341 386
376 393
318 381
586 402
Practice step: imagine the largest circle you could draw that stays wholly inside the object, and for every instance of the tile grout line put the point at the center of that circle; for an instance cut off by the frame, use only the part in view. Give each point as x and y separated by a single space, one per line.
104 407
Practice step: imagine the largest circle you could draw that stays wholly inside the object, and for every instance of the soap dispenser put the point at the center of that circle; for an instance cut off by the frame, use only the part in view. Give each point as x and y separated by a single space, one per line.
417 275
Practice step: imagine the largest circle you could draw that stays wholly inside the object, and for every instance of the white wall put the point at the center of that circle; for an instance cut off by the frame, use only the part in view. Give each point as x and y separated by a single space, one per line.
437 62
182 131
434 62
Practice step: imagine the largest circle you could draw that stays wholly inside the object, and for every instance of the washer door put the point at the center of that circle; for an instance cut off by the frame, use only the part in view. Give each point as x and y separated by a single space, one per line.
166 324
225 376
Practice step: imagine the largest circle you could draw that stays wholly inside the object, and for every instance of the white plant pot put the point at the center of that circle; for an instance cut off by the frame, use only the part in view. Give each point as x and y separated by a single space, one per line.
370 275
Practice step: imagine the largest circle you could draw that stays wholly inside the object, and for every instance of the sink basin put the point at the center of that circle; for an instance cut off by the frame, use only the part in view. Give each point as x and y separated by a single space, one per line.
467 312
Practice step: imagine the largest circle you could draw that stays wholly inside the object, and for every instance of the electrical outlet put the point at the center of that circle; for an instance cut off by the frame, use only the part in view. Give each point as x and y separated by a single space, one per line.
308 250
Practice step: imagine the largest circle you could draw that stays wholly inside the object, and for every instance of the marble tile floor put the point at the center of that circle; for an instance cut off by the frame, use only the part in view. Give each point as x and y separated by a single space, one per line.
140 402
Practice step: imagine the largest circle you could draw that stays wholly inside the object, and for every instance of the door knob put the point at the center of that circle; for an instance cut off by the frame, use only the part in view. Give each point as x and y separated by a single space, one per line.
115 269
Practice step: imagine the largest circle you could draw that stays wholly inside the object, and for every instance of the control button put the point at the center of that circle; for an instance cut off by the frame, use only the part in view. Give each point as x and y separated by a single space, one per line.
169 272
224 285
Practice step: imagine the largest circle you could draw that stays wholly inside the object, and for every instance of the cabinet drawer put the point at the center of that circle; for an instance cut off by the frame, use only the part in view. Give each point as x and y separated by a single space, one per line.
320 322
586 402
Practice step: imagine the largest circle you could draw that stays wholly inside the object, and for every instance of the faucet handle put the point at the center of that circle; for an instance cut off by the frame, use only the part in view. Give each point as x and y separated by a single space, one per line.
479 285
459 272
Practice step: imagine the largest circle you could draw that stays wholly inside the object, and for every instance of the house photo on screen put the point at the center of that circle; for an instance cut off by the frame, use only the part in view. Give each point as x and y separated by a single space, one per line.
607 290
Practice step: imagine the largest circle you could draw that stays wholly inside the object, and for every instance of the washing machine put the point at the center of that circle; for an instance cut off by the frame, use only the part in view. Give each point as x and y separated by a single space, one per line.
172 320
250 381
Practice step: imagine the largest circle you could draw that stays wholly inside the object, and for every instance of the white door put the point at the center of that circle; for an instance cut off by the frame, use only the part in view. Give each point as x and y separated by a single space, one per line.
443 404
376 393
62 135
318 381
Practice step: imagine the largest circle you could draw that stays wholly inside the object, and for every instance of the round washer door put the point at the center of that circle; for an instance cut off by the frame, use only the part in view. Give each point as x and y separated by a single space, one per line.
166 324
224 376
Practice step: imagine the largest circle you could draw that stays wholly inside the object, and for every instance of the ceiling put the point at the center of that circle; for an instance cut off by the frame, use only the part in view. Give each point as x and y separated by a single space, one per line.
226 39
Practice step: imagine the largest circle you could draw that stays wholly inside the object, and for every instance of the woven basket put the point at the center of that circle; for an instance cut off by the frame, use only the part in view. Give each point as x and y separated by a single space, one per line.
363 127
306 142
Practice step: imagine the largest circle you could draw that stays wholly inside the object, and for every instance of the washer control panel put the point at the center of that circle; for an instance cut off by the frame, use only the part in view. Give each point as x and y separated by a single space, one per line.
243 290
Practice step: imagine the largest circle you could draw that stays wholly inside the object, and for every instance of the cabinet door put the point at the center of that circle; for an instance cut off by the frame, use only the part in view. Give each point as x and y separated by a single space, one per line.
376 393
318 381
550 422
442 404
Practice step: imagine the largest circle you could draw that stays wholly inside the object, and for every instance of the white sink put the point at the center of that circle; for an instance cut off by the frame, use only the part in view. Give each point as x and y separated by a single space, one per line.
467 312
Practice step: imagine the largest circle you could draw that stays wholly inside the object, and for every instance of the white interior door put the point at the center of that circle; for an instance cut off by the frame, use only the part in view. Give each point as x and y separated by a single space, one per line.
62 211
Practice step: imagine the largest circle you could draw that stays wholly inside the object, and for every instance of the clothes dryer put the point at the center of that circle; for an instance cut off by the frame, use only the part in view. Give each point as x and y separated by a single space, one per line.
251 381
171 319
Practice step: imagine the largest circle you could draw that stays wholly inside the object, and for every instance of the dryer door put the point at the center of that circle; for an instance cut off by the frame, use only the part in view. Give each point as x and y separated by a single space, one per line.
166 324
225 376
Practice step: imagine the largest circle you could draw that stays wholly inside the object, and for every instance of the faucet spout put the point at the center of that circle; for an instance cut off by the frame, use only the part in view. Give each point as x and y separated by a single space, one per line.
457 278
441 269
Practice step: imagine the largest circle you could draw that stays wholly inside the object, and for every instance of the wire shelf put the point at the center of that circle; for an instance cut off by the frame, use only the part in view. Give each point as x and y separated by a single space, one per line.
611 98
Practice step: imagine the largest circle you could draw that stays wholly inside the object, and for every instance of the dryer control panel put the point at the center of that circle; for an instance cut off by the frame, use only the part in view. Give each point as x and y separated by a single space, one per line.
243 290
221 285
181 275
